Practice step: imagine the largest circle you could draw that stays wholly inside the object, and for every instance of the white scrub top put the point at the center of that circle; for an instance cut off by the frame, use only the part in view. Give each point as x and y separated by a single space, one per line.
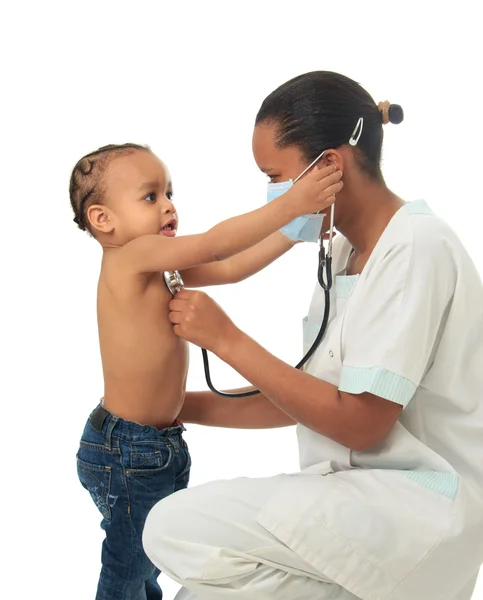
403 520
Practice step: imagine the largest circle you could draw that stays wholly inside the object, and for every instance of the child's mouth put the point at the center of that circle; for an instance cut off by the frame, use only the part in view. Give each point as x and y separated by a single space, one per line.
169 229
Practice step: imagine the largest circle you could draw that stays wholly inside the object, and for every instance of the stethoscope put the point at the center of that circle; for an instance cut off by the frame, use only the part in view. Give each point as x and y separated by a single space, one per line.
174 283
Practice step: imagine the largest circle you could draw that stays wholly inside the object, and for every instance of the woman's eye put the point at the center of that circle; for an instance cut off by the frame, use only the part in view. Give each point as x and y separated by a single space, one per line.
151 197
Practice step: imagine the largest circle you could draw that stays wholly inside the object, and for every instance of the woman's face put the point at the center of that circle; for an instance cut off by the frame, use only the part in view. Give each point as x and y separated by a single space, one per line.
280 164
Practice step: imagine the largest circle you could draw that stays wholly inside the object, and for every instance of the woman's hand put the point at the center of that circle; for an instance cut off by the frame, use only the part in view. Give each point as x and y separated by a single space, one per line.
197 318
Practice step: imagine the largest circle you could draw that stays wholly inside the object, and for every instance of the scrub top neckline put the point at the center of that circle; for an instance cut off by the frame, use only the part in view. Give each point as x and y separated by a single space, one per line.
345 283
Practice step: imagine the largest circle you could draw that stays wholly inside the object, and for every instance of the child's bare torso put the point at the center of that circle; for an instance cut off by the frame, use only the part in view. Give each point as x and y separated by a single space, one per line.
144 363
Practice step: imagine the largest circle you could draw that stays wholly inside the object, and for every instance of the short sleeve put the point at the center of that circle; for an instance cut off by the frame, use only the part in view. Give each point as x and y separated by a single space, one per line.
398 318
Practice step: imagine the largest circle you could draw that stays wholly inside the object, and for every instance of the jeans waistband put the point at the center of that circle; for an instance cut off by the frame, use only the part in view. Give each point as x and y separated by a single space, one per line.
100 419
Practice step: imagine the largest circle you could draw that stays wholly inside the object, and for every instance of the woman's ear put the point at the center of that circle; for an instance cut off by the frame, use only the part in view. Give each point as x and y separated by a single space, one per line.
100 218
334 157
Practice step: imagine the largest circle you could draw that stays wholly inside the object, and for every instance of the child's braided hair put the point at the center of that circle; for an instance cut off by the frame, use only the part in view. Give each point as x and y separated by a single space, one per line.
85 187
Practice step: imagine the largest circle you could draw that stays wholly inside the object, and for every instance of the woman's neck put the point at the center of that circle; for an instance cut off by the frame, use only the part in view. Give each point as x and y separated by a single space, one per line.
368 207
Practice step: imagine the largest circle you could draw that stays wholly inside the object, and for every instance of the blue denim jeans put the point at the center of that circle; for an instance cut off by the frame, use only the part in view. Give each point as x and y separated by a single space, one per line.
127 468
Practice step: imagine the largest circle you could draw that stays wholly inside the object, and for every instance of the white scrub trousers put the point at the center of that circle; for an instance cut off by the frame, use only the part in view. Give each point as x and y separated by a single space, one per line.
207 538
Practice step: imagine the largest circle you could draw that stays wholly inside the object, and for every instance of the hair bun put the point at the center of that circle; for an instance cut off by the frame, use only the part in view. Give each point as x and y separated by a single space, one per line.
390 113
395 114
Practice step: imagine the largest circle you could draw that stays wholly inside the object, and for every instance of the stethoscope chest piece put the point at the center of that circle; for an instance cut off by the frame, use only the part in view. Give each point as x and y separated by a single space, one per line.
174 281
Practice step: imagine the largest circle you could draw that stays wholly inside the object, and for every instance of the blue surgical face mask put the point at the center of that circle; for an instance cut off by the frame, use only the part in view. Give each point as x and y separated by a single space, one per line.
305 228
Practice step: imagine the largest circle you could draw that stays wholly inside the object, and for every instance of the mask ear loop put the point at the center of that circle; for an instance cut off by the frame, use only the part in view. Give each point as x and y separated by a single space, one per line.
310 166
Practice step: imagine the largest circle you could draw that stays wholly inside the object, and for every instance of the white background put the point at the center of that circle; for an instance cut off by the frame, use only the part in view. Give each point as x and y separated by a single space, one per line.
186 78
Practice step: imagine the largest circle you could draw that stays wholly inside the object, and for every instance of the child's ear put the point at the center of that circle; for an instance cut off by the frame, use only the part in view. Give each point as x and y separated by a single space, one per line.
100 218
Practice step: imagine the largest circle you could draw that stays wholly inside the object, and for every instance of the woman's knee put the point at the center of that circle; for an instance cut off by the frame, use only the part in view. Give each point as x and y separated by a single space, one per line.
181 529
175 540
162 528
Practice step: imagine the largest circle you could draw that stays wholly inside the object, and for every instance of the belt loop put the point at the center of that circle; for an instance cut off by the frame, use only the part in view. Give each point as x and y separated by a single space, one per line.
112 423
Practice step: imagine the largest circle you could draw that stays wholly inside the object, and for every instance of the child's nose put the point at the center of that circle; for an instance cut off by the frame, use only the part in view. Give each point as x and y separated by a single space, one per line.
168 206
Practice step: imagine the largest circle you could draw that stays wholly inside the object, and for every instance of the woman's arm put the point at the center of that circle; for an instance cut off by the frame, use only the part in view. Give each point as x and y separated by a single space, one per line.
357 421
254 412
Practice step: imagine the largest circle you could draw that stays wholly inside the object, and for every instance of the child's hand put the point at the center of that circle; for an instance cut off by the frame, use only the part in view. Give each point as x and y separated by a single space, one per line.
316 191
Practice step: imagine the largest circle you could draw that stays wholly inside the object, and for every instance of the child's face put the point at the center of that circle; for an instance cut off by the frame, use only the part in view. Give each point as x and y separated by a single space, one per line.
139 192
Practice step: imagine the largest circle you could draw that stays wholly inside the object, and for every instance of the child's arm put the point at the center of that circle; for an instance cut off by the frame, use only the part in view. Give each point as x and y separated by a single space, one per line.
153 253
240 266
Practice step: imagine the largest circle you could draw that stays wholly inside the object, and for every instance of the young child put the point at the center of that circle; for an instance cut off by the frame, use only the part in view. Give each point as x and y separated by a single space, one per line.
132 453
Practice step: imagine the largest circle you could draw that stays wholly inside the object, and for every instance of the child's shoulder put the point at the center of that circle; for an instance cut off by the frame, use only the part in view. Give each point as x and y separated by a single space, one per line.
111 262
112 271
120 280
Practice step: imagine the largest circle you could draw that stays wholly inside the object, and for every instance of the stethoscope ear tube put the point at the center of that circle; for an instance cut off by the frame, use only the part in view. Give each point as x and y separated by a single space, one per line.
312 349
325 262
206 365
175 283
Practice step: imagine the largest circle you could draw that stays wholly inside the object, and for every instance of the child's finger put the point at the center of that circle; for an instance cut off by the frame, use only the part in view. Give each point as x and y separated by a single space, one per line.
318 173
331 179
335 188
326 201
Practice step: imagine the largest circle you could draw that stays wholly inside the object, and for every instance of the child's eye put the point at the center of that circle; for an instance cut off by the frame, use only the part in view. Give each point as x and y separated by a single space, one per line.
169 195
151 197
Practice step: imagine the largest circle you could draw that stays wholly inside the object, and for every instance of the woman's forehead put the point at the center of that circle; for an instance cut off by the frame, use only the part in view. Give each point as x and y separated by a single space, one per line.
266 152
264 138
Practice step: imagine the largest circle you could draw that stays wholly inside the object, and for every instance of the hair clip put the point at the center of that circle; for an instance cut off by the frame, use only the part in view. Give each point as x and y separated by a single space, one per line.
357 132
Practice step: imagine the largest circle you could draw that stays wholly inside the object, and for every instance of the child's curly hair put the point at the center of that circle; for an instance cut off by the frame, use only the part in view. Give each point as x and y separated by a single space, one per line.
85 188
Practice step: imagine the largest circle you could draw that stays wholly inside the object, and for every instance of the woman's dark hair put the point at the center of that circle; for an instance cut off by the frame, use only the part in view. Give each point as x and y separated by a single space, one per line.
85 188
320 110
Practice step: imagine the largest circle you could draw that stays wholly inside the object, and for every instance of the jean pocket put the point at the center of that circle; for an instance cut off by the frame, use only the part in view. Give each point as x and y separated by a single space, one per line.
144 457
96 479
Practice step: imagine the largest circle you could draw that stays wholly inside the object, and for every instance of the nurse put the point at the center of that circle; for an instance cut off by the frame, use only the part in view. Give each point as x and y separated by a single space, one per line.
388 503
